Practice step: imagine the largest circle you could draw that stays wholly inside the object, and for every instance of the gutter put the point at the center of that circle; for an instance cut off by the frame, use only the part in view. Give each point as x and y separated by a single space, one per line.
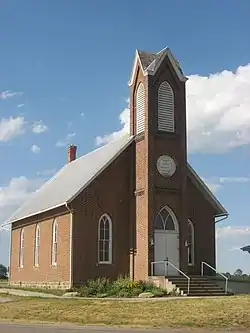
223 216
70 245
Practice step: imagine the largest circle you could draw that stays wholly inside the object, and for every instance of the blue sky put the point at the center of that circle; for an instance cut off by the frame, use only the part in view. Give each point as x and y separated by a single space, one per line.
63 79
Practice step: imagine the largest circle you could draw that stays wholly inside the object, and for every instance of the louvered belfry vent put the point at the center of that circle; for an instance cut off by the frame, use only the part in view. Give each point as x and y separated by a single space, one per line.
166 108
140 109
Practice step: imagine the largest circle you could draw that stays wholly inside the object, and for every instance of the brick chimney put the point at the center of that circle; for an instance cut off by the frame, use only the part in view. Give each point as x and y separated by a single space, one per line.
72 153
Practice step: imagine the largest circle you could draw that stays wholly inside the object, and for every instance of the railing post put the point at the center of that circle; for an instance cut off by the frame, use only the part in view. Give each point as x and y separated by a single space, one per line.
152 268
165 270
226 286
188 285
202 268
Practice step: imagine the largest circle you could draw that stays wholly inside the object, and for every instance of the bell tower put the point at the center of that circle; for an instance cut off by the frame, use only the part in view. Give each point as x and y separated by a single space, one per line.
158 122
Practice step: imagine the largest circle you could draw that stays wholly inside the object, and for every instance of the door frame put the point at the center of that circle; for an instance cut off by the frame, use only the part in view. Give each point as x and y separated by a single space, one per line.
166 232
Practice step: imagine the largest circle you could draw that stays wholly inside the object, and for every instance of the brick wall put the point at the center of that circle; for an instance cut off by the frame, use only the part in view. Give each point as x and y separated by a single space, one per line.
201 213
45 274
109 193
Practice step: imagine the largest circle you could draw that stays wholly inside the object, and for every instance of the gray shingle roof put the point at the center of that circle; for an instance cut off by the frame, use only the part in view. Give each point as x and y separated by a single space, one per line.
146 58
246 248
71 179
150 62
77 175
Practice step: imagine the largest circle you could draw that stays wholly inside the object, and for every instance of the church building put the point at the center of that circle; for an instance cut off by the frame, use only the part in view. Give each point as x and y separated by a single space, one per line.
128 207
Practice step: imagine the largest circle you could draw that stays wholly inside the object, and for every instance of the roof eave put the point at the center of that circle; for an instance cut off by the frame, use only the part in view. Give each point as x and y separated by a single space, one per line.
171 58
220 210
136 61
246 248
101 170
10 221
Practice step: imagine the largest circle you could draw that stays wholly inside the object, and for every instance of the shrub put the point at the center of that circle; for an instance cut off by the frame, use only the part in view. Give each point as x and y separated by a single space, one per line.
122 287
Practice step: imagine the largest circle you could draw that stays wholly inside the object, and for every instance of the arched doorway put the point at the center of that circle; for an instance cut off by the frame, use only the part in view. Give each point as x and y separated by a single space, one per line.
166 242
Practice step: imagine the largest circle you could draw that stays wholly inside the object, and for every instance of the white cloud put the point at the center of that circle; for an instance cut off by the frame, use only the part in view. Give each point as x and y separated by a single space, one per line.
124 120
66 140
234 179
39 127
35 149
16 191
46 172
230 239
7 94
82 114
217 183
218 117
11 197
232 231
20 105
11 127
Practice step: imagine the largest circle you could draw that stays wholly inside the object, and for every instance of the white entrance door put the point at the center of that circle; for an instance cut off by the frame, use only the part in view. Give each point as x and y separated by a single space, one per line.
166 248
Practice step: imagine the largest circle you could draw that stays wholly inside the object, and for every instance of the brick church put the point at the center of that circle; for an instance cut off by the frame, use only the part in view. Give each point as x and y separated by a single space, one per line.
128 207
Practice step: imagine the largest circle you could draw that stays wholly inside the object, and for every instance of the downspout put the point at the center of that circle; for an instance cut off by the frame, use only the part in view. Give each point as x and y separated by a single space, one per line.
70 245
223 216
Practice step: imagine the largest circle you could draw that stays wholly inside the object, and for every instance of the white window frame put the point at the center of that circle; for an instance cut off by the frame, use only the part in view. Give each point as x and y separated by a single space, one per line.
191 246
54 247
106 218
21 253
37 246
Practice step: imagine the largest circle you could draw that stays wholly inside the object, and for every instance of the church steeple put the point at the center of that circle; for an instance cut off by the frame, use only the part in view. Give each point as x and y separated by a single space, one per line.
158 121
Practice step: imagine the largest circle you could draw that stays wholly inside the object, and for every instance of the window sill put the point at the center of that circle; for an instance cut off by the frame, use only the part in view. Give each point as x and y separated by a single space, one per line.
104 263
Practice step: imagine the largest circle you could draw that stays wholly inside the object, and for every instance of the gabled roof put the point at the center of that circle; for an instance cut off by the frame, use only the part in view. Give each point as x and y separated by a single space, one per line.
208 194
71 180
75 176
150 62
246 248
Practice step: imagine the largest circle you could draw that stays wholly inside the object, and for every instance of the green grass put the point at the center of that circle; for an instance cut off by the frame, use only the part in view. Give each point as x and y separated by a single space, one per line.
222 312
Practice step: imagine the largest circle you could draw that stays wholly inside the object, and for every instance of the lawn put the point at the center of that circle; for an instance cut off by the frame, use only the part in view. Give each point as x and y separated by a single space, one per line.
221 312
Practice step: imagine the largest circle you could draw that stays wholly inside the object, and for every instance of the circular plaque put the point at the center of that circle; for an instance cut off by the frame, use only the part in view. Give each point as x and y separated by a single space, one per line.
166 166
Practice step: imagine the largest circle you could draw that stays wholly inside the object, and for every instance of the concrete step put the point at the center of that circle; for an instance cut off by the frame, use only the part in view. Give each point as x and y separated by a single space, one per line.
199 286
206 294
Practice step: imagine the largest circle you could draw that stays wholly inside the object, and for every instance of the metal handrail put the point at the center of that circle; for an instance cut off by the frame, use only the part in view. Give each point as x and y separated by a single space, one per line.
225 277
166 262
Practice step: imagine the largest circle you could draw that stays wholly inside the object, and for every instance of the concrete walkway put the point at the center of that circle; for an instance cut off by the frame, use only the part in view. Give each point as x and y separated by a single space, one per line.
19 292
43 328
27 293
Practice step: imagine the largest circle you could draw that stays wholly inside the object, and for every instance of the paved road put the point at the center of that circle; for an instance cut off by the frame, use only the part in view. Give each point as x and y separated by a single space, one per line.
4 300
23 328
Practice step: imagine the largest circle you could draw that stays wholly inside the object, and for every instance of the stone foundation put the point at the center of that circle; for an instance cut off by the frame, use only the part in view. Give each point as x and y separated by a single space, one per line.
39 284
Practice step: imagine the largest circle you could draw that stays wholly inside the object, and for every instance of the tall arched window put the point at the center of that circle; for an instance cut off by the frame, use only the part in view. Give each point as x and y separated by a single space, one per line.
190 243
166 121
166 220
105 240
54 242
21 254
140 109
37 244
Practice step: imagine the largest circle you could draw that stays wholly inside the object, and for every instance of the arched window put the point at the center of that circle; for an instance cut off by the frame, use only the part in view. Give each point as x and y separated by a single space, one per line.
54 242
190 243
37 244
166 121
21 254
166 220
105 240
140 109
